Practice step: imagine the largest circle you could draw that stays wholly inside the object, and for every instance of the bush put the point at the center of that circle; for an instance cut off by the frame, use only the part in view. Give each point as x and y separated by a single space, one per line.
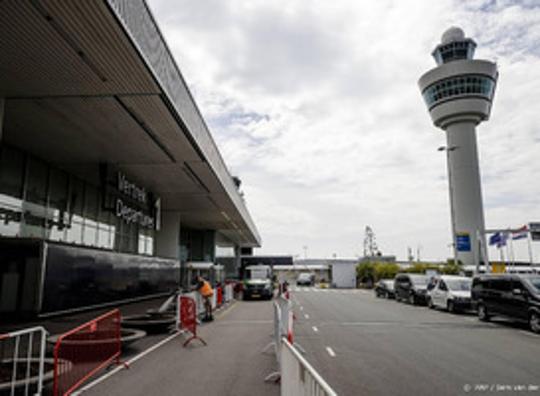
365 273
451 269
421 268
371 272
386 270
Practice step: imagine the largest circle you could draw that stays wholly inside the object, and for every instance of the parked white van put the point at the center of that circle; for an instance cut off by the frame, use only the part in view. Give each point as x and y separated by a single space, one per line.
452 293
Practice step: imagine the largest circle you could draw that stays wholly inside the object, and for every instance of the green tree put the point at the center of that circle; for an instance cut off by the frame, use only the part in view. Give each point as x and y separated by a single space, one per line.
365 272
386 270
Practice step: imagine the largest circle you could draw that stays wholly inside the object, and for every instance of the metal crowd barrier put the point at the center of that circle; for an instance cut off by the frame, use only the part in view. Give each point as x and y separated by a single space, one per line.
187 318
229 292
89 348
219 296
24 352
295 373
298 377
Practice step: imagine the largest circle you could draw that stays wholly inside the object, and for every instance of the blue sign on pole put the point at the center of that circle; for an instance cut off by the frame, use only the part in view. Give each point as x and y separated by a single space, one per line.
463 242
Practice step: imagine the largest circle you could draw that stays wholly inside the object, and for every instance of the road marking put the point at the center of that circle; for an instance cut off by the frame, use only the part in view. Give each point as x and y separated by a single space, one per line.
315 329
306 316
152 348
330 352
226 311
301 308
128 363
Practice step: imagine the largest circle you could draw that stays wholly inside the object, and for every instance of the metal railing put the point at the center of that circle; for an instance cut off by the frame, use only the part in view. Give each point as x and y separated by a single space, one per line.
24 352
298 377
229 292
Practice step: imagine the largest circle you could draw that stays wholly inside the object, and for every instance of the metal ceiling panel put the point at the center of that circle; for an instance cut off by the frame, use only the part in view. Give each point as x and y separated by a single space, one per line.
163 178
73 130
154 114
44 57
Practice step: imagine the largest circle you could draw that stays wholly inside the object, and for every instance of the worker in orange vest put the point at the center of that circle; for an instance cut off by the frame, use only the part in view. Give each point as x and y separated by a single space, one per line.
204 288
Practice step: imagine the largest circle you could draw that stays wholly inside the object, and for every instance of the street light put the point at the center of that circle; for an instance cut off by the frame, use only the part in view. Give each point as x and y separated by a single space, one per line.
451 189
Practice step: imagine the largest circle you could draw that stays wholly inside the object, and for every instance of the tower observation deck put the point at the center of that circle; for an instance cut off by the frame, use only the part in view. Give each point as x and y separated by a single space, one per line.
458 94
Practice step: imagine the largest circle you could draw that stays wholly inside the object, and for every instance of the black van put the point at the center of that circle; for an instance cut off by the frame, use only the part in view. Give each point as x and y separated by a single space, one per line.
411 288
513 296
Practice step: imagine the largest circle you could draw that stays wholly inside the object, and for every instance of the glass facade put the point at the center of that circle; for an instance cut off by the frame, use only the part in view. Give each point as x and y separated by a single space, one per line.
464 85
453 51
82 277
40 201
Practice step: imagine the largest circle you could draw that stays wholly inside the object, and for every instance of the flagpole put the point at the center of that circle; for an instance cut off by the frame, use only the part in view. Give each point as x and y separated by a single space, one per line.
513 258
530 248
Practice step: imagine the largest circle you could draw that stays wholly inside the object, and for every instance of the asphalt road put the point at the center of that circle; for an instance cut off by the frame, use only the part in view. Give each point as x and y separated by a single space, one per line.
367 346
231 363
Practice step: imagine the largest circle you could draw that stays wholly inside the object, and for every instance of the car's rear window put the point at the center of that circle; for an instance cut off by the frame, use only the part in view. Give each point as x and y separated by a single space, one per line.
459 284
535 283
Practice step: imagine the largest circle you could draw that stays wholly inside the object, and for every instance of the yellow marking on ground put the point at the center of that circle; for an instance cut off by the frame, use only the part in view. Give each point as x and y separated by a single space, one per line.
226 311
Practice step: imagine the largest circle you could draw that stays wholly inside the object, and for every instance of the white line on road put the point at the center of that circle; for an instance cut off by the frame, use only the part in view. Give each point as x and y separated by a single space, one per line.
127 364
330 352
306 316
315 329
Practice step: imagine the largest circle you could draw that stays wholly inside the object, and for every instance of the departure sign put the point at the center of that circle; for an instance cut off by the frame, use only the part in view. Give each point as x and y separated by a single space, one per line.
134 207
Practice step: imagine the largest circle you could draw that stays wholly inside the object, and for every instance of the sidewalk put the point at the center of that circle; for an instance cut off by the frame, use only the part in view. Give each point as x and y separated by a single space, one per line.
231 364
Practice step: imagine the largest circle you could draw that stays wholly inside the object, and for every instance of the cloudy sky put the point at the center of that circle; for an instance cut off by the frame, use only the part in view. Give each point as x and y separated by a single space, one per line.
314 105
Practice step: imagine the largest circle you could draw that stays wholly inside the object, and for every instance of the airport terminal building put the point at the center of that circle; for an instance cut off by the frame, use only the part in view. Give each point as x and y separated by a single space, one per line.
109 177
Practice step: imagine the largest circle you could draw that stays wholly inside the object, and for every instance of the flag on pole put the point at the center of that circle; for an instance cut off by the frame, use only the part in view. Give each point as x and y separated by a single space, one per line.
499 239
495 239
520 233
504 238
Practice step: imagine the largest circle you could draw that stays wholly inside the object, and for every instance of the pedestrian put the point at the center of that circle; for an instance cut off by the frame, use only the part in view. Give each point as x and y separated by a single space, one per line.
204 288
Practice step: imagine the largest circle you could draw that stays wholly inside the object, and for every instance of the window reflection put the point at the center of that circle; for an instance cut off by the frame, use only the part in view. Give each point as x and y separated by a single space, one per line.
463 85
57 206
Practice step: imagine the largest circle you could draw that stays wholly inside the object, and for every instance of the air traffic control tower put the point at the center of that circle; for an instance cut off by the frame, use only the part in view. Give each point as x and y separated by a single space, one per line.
458 94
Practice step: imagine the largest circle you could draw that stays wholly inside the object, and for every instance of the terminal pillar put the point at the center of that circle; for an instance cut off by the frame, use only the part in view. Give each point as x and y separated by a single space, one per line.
168 237
238 259
2 106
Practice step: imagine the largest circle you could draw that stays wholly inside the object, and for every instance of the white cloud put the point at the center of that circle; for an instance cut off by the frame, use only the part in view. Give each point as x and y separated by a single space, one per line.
315 106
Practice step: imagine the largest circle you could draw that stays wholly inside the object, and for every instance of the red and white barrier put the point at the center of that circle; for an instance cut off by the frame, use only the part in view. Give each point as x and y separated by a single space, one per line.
219 293
89 347
187 318
229 292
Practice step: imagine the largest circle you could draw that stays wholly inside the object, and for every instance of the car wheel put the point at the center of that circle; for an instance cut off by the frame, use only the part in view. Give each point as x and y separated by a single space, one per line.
483 313
387 296
412 300
430 303
450 306
534 322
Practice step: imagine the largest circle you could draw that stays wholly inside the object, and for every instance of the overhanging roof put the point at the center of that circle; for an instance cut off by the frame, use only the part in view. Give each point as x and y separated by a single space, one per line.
88 82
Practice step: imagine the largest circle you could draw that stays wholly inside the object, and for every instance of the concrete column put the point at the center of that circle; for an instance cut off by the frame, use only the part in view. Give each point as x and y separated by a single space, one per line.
237 259
466 188
168 237
2 106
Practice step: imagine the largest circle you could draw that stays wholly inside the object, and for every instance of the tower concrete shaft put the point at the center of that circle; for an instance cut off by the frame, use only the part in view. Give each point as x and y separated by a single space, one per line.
459 94
465 190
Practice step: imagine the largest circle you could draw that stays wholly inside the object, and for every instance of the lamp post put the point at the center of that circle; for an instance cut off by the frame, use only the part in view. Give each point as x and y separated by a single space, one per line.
448 150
